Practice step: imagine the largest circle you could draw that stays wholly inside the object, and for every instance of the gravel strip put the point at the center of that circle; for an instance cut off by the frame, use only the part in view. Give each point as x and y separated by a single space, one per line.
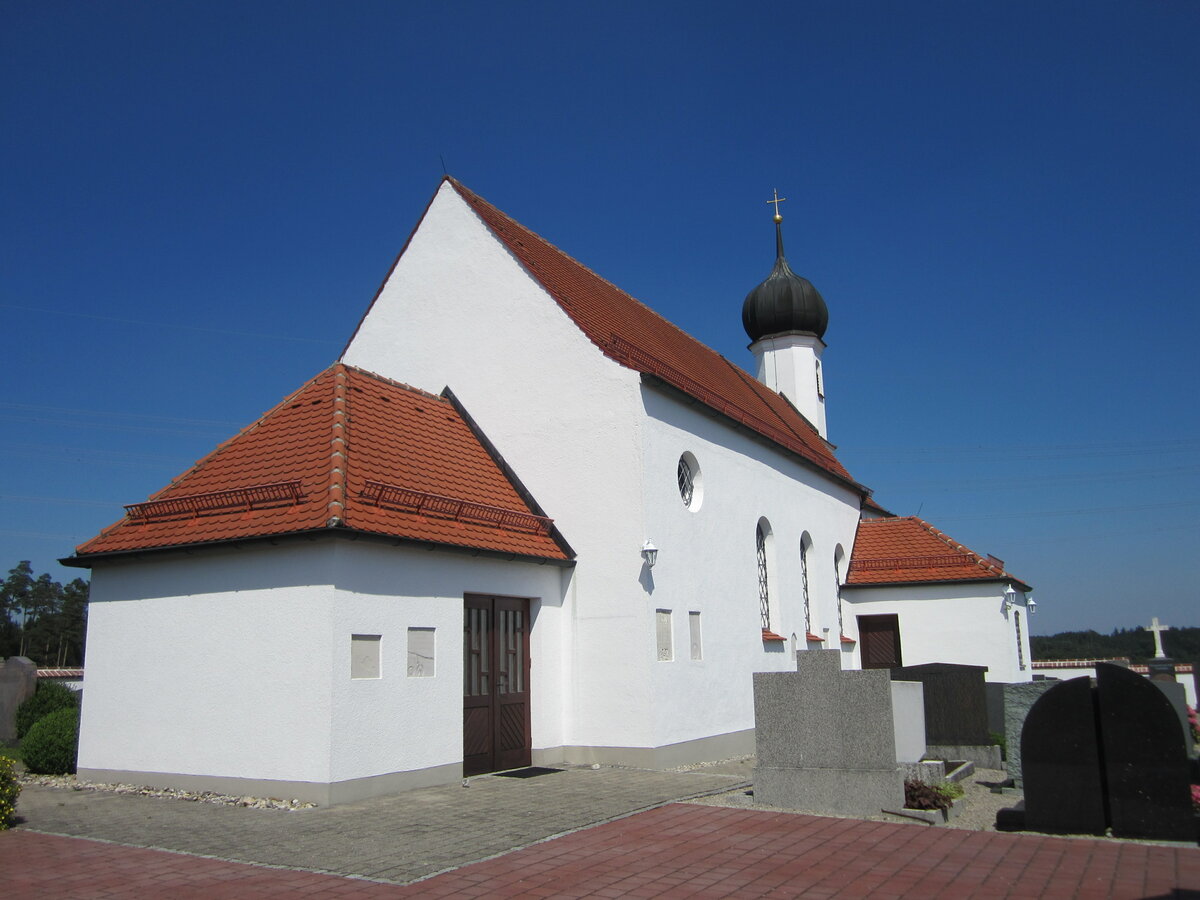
70 782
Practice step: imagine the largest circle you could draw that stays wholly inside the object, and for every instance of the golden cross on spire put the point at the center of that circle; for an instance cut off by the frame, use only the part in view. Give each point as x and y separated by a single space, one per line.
777 201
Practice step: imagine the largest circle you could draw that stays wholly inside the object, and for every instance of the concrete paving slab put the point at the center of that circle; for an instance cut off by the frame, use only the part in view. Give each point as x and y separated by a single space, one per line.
395 839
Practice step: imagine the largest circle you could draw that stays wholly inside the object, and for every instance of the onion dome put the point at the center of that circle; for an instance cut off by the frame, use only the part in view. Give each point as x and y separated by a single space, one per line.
785 302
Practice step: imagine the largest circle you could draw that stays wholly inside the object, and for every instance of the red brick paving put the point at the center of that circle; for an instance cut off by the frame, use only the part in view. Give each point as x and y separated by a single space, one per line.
674 851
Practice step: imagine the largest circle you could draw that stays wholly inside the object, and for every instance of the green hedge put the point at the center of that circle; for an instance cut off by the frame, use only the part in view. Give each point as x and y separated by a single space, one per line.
52 743
48 697
10 789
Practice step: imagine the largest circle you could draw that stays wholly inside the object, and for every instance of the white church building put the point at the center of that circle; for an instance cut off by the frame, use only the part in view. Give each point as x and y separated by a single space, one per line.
522 520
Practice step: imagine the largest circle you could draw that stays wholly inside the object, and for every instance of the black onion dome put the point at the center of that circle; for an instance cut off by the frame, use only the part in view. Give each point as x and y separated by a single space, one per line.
784 302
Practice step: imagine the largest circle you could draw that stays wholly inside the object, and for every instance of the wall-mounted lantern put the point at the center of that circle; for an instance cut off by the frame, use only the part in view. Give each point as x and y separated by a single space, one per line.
1010 597
649 554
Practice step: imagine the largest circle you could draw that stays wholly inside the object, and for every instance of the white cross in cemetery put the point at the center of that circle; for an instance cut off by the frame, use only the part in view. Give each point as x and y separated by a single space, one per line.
1158 630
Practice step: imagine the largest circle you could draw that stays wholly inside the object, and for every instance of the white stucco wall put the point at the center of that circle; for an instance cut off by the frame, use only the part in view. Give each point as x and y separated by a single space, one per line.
458 310
237 663
791 365
707 562
964 623
205 665
599 452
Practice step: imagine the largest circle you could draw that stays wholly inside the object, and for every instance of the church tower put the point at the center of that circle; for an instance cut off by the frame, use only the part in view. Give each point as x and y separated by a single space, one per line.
785 318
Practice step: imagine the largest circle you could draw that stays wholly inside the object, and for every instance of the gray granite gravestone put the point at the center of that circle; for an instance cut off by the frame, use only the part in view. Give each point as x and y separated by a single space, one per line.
1145 762
18 681
1060 762
825 739
1175 693
1018 700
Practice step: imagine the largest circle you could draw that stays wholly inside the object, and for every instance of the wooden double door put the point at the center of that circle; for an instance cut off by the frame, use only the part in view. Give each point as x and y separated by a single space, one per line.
496 722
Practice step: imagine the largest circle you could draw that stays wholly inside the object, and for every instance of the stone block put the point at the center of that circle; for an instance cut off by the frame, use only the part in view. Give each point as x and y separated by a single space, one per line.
18 681
986 756
841 792
825 739
1018 699
908 716
1178 697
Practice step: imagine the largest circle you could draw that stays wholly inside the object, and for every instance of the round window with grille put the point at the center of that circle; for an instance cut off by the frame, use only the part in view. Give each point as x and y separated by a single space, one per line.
691 487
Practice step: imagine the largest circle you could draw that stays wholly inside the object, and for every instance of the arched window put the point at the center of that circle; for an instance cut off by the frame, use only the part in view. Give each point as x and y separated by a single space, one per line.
762 536
805 544
1020 646
838 557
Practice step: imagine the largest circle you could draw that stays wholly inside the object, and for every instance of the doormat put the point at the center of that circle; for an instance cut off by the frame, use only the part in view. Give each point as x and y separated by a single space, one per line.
530 772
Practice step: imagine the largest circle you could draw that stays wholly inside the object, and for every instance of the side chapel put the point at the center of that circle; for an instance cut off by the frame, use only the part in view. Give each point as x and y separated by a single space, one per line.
522 520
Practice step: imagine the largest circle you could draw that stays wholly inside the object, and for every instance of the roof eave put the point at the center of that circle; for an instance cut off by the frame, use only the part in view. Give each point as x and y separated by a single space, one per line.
991 579
87 561
674 392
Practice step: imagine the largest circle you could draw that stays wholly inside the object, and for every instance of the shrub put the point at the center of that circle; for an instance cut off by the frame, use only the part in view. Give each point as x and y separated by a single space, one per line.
10 789
48 697
52 743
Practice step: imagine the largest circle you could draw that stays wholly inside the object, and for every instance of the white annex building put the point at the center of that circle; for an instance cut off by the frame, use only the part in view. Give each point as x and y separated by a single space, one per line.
522 520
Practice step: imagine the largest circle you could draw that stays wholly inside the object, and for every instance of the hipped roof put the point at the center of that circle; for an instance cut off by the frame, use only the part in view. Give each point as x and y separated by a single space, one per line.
350 452
909 550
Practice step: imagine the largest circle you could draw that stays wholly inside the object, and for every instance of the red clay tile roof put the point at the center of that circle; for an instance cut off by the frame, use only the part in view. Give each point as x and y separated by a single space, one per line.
911 551
635 336
349 450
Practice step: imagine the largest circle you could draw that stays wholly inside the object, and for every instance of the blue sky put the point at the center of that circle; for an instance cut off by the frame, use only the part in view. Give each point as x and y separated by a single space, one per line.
1000 204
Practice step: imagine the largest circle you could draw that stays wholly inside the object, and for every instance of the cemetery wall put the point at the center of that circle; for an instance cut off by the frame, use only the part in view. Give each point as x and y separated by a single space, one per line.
1064 669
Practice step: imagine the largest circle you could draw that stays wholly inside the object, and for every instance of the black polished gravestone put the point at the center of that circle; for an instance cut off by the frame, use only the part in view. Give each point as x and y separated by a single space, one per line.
955 702
1061 765
1111 755
1145 759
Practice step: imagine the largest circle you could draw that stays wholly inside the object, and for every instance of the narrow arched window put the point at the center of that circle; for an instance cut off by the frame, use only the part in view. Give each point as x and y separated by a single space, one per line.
1020 646
764 588
838 556
805 543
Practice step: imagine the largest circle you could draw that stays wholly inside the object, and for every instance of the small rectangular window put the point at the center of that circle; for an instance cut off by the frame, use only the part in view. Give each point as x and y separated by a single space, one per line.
663 632
420 652
364 655
694 635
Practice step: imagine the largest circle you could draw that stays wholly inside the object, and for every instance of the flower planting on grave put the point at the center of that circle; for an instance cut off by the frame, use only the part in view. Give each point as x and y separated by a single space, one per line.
51 746
918 795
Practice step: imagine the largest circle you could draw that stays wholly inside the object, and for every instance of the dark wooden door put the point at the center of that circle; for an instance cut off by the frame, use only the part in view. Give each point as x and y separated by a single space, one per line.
879 641
496 724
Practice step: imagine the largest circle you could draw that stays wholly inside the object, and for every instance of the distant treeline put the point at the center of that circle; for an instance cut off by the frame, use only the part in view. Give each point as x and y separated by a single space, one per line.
1181 644
42 619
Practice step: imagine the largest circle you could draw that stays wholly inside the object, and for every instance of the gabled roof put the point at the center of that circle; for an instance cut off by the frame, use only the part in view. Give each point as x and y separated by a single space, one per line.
348 452
635 336
909 550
